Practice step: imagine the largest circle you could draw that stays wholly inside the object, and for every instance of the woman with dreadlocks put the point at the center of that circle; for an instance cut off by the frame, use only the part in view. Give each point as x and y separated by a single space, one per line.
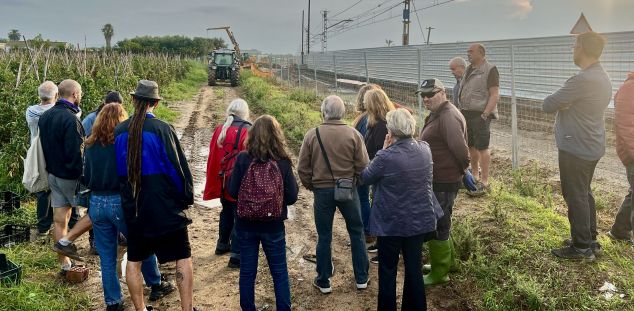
156 188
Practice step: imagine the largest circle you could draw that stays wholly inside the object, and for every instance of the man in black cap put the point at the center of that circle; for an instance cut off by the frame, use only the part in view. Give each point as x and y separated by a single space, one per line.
445 131
156 188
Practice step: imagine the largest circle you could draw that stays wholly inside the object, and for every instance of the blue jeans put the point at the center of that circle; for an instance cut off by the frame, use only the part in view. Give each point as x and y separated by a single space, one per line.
274 245
107 219
324 209
364 200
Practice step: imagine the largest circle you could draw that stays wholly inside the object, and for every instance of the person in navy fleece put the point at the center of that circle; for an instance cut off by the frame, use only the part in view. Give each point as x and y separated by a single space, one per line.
156 188
265 142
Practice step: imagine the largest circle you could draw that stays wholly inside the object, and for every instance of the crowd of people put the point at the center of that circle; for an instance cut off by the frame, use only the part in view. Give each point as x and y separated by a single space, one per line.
394 187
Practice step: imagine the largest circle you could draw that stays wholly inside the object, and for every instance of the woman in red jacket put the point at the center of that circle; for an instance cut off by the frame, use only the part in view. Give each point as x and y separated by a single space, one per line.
226 143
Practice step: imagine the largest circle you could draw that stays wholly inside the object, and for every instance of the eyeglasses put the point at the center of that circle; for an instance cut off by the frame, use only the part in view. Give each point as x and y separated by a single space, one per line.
429 95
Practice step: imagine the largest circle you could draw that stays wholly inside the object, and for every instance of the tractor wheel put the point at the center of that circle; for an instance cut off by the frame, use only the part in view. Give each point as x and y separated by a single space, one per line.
211 77
234 78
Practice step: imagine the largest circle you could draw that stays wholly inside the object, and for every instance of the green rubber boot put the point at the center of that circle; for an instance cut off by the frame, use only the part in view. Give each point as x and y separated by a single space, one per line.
440 259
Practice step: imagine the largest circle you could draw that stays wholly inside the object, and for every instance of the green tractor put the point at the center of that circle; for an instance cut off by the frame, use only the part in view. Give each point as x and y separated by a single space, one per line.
224 65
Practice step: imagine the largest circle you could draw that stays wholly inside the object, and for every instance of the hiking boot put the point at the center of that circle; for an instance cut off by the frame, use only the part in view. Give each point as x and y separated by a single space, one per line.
116 307
375 260
234 263
323 290
69 250
573 253
373 248
161 290
619 239
197 309
595 246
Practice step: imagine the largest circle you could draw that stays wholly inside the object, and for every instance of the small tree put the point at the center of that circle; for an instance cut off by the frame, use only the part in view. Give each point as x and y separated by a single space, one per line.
108 32
388 42
14 35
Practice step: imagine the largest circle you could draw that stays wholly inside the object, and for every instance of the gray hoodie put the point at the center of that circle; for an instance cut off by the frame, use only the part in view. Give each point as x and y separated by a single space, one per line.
33 114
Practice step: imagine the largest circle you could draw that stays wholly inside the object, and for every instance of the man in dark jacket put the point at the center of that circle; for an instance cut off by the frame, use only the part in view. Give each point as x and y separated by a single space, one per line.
580 136
156 188
62 137
445 131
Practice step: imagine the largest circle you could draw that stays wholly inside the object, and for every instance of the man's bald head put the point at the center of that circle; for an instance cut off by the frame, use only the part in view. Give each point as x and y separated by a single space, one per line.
476 53
70 90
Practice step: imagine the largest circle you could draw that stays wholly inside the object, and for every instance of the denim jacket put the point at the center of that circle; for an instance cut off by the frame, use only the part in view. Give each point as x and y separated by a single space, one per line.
404 203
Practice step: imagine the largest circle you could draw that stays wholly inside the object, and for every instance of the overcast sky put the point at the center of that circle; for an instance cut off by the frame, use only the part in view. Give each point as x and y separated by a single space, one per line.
275 25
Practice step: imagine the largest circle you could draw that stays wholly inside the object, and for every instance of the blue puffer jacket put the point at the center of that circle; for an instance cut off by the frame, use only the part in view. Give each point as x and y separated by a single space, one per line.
404 203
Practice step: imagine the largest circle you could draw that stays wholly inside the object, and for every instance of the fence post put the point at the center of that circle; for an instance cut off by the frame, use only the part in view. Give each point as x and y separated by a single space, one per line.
367 74
315 73
334 69
299 75
514 140
288 69
420 100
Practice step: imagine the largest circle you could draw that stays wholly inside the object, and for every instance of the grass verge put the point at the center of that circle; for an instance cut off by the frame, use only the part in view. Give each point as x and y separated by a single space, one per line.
504 241
40 288
297 111
181 90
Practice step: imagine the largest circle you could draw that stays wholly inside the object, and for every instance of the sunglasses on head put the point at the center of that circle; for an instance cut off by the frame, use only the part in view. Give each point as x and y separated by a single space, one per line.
429 95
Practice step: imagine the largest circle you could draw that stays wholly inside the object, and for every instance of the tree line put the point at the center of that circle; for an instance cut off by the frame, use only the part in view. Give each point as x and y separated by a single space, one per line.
181 45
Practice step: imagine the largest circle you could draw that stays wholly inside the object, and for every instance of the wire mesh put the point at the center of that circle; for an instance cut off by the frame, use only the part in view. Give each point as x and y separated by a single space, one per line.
540 66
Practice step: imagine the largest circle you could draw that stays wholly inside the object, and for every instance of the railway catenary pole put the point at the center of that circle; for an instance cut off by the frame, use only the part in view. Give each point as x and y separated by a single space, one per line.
308 31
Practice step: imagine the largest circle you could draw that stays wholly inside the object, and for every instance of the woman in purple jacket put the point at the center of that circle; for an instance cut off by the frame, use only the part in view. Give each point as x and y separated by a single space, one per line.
404 210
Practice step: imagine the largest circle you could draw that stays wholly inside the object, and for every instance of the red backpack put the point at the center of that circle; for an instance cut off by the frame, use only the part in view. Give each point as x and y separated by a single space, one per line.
261 195
228 160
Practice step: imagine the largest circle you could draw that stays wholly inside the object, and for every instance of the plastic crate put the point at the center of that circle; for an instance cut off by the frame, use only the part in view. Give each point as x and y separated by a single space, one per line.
9 202
13 234
10 273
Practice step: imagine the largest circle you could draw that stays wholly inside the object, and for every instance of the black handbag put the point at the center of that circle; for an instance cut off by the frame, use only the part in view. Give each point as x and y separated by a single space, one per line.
344 187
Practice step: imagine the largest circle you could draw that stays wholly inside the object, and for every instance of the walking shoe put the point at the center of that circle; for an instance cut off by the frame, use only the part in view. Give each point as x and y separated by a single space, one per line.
116 307
197 309
222 249
595 246
573 253
323 290
234 263
362 286
93 248
618 239
122 240
161 290
373 248
69 250
481 190
375 260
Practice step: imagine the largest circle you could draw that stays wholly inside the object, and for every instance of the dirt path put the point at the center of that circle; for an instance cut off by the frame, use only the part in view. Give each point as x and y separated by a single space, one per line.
216 285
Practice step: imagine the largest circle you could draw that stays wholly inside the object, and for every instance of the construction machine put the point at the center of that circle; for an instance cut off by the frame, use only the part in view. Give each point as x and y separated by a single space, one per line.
225 64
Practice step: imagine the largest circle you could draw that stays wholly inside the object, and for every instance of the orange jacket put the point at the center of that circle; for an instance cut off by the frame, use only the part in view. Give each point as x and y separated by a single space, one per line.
624 121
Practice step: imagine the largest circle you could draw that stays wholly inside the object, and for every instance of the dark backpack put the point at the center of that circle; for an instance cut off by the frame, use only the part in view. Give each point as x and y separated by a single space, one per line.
229 159
261 195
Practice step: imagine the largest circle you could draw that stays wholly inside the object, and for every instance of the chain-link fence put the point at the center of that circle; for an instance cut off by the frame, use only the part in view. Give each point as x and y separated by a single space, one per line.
530 70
